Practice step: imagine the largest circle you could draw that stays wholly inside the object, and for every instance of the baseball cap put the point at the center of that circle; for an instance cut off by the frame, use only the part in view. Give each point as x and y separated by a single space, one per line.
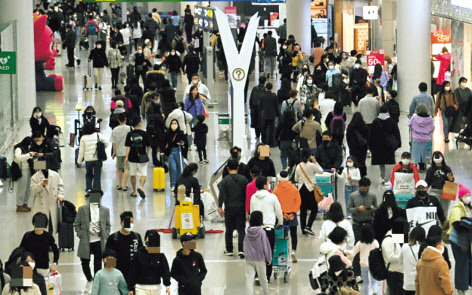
421 183
187 237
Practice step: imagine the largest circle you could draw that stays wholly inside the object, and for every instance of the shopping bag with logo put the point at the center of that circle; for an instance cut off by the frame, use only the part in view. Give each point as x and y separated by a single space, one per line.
404 183
54 284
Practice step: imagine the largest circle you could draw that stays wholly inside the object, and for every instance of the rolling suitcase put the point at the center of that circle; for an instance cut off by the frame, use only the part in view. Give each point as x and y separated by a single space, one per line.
88 84
65 230
158 179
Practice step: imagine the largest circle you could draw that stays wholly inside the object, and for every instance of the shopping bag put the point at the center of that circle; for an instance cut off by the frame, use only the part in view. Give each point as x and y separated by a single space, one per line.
211 209
404 183
449 191
318 273
326 203
54 284
205 111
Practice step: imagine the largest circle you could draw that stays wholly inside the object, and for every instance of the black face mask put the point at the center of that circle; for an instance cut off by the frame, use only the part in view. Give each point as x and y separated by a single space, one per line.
326 142
421 193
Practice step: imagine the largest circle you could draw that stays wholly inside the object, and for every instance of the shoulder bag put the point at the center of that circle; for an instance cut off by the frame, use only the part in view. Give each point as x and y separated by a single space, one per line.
450 110
317 192
101 153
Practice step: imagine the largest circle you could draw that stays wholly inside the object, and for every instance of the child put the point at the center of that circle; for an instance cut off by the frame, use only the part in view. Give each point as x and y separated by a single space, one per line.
258 251
109 281
201 130
351 175
364 246
118 139
188 267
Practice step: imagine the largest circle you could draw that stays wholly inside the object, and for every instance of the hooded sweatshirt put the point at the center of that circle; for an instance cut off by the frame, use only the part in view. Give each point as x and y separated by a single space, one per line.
256 245
289 197
432 276
189 271
269 205
329 249
422 128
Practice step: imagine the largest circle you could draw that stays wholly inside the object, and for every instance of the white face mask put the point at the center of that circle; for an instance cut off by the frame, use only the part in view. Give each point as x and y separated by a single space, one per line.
32 264
326 60
284 47
309 82
447 88
172 53
357 66
140 51
128 229
406 161
195 82
464 84
466 200
350 164
39 142
331 67
38 115
173 127
438 161
99 46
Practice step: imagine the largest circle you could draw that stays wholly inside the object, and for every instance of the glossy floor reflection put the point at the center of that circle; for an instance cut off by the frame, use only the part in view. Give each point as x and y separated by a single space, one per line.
225 275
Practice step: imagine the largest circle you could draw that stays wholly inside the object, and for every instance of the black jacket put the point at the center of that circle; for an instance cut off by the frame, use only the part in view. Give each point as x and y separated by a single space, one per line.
69 42
284 131
436 176
201 130
99 58
270 46
36 126
357 139
232 192
382 224
428 202
191 63
190 182
149 269
329 157
242 170
394 110
151 23
126 248
156 128
384 134
171 140
189 271
266 165
358 77
167 99
269 106
173 63
51 153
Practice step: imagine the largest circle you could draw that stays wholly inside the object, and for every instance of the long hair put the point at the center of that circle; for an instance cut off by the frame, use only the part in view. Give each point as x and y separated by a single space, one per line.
190 95
367 234
436 155
24 144
189 169
34 111
377 71
443 91
335 213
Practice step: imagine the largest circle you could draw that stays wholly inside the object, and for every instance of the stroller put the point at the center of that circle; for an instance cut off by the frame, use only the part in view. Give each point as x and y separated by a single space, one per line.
465 137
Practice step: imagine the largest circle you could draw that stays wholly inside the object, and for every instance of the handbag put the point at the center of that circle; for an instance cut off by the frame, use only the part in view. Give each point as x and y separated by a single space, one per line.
449 191
319 272
316 191
15 171
450 110
101 152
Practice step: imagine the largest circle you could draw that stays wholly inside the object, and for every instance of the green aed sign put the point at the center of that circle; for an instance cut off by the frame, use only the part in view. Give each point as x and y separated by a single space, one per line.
7 62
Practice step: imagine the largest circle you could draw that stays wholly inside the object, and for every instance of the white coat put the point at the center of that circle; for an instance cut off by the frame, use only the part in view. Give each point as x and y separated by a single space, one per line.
202 89
88 147
183 118
328 226
45 198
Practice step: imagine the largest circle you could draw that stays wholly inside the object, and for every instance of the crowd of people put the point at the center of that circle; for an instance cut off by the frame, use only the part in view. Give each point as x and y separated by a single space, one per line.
306 119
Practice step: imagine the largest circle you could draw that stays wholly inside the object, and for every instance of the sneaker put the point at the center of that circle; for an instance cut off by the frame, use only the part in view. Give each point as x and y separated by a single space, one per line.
446 140
78 62
100 88
96 85
88 287
227 253
141 193
201 162
294 257
257 282
359 280
349 217
206 161
241 255
21 209
309 231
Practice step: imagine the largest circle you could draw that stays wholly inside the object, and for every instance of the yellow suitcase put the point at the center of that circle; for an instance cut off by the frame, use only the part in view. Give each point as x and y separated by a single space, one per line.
158 179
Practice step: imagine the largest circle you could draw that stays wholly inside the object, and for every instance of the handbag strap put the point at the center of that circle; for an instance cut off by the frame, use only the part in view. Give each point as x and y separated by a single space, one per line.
306 176
413 254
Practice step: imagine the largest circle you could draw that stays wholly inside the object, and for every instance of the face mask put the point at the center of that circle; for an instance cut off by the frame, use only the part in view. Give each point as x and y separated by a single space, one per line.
466 200
326 60
173 127
326 142
99 46
128 229
305 70
331 67
309 82
363 193
39 142
140 51
350 164
32 264
284 47
447 88
195 82
156 102
421 193
172 53
89 115
357 66
437 161
38 115
406 161
464 84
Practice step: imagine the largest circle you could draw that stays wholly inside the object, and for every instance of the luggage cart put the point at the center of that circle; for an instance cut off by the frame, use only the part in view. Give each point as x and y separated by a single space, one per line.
327 182
280 262
402 199
187 220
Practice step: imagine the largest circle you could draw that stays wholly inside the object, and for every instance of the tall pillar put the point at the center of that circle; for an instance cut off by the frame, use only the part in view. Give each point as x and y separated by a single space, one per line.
377 27
299 22
388 26
414 66
18 11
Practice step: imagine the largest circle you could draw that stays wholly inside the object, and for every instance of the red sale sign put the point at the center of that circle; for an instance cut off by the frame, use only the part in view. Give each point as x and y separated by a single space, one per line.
373 58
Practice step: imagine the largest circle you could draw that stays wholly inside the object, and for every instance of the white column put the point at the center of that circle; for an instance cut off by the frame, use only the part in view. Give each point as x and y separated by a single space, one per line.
19 11
299 22
388 26
414 41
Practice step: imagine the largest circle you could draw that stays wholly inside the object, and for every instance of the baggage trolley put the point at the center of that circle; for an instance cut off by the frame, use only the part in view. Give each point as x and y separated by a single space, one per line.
327 184
280 262
402 199
187 220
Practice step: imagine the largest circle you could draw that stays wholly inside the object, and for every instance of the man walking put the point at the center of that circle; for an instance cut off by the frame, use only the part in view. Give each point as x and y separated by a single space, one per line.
254 100
69 44
233 195
137 150
269 107
270 52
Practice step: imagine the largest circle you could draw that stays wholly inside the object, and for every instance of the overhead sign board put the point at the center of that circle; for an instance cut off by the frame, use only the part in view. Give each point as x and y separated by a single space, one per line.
205 18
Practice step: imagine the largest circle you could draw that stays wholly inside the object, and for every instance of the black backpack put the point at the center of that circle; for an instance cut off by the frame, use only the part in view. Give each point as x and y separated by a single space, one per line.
289 109
377 264
179 46
69 212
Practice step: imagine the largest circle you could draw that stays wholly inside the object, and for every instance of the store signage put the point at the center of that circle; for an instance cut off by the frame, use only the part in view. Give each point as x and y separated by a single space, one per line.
231 10
373 58
370 12
7 62
438 37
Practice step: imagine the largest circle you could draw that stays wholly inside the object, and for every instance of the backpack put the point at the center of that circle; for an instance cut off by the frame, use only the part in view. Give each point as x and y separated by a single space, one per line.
92 28
179 46
290 109
377 264
69 212
337 81
337 125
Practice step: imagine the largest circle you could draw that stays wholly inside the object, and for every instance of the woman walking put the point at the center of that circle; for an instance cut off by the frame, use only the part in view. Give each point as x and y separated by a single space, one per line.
194 106
23 157
436 176
446 101
357 137
115 62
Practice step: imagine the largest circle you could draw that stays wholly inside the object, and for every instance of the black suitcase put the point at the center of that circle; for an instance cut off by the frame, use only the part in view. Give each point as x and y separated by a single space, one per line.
66 237
130 71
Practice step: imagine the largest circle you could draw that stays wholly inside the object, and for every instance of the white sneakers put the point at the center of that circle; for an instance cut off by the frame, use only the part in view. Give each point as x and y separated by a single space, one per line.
294 257
88 287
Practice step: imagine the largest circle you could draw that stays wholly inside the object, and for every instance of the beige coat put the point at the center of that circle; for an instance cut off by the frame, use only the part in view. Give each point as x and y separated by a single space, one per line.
45 198
308 131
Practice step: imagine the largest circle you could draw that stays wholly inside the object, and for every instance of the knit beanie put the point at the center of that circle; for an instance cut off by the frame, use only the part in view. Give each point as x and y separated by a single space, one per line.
283 176
463 190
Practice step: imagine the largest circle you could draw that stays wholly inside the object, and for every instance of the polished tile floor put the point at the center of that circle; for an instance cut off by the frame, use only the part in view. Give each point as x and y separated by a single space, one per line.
225 275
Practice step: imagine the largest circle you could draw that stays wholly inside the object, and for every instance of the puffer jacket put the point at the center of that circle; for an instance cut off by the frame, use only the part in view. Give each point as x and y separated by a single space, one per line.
458 211
88 147
329 249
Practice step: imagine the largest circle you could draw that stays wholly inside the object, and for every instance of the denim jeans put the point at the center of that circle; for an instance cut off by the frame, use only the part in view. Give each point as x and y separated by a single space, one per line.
446 121
93 175
192 124
368 281
270 64
174 166
348 190
285 152
174 76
